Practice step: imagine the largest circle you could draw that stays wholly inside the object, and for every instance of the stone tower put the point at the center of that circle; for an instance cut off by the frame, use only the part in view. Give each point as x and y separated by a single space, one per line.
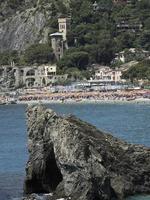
64 26
57 44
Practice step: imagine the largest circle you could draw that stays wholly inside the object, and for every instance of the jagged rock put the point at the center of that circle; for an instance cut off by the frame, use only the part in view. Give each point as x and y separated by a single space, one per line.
74 159
22 30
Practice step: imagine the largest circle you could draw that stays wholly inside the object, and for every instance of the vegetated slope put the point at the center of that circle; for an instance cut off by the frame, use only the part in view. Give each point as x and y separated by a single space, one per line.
93 38
139 71
96 31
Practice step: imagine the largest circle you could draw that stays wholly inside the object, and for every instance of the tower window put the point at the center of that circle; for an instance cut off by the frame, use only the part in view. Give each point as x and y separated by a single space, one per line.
62 26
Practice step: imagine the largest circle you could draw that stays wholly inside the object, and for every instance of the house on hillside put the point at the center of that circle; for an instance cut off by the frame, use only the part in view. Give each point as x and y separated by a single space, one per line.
125 25
131 54
122 1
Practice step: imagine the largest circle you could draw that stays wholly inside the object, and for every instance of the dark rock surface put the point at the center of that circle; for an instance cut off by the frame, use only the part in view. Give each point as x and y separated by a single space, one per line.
72 158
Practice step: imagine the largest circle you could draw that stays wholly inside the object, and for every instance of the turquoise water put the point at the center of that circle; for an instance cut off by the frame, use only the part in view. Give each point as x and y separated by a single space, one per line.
129 121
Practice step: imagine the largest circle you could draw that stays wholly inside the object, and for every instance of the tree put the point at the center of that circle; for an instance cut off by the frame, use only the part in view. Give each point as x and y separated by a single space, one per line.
7 57
77 59
125 41
139 71
144 4
144 40
39 53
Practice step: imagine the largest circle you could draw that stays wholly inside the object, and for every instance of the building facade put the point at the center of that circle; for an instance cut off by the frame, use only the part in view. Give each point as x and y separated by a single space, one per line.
59 39
30 76
64 26
57 44
105 73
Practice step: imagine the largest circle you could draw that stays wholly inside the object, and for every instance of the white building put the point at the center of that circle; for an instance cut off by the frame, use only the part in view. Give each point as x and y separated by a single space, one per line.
105 73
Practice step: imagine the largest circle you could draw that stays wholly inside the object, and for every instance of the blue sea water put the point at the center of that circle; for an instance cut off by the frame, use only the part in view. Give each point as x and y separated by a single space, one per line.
130 122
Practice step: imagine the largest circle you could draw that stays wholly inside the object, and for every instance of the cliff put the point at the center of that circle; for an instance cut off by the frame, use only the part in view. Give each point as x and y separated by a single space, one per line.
24 22
71 158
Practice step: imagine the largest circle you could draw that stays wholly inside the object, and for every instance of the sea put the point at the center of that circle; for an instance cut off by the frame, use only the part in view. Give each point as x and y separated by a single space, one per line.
130 122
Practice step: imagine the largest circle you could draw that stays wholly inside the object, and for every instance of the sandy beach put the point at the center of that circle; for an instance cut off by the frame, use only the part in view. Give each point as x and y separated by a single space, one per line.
86 101
47 97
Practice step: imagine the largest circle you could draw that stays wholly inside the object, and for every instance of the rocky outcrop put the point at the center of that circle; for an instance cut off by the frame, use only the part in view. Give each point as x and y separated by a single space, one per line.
23 29
23 23
72 158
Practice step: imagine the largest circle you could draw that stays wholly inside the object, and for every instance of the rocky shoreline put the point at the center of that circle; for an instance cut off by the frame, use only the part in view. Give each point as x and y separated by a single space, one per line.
74 160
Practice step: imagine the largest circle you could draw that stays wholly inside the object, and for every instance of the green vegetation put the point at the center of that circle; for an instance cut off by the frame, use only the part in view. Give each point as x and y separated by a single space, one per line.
139 71
74 59
95 35
94 31
38 53
35 54
9 56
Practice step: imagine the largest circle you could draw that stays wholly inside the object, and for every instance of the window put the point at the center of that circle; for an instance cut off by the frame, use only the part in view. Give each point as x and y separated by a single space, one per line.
62 26
30 73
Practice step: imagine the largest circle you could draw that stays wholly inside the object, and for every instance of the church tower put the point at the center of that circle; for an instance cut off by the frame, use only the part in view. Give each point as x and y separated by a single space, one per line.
57 44
64 26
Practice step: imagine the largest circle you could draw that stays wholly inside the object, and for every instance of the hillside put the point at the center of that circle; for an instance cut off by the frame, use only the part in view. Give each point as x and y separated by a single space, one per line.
108 28
24 22
98 29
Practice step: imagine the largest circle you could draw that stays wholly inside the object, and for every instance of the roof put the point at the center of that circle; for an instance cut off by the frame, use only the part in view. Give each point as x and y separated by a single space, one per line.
56 34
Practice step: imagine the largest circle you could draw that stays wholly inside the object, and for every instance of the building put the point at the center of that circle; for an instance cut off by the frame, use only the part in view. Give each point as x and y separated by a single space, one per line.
35 76
64 26
30 76
95 6
122 1
59 39
125 25
106 74
57 44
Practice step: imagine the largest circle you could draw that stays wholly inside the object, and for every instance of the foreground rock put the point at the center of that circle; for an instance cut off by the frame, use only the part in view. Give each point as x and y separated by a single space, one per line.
71 158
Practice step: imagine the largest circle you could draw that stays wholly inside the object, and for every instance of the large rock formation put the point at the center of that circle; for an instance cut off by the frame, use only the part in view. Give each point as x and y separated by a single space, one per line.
74 159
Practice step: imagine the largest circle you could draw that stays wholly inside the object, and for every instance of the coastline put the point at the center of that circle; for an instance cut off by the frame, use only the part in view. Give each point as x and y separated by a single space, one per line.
87 101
